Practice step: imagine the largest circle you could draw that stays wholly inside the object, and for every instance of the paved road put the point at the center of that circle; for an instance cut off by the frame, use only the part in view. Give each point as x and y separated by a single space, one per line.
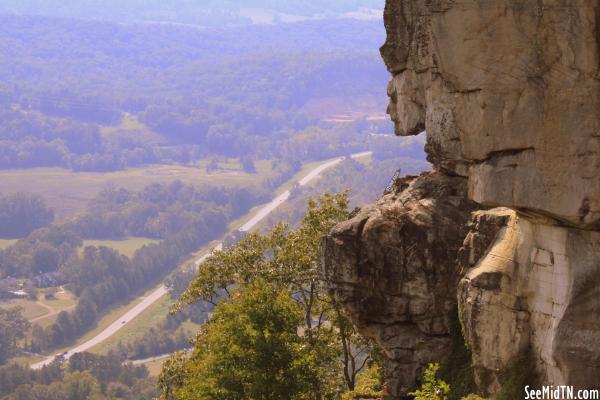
161 291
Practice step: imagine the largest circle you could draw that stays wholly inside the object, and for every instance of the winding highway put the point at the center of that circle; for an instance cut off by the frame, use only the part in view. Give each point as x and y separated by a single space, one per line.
147 301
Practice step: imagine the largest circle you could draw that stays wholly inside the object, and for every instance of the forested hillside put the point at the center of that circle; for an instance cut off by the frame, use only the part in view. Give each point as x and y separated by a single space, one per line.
178 94
135 136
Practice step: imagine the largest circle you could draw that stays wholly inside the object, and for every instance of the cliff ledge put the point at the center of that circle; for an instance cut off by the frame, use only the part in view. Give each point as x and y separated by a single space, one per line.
507 226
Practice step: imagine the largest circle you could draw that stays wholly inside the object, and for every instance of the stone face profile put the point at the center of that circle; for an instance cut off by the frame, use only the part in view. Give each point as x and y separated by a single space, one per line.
509 94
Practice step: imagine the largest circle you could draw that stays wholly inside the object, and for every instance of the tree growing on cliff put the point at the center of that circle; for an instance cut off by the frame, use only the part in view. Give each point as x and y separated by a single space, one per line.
286 260
251 350
432 388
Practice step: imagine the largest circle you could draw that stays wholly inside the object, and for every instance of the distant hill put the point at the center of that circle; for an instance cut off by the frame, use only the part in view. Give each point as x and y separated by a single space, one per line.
199 12
68 85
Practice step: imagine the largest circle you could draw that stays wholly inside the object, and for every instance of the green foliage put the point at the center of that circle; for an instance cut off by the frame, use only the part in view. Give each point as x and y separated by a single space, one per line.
317 336
84 377
368 385
516 375
251 350
21 214
12 328
432 387
286 257
79 385
456 368
194 93
473 397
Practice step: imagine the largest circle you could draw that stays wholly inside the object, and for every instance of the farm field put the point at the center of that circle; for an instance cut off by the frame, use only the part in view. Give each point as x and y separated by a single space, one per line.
69 192
43 311
127 246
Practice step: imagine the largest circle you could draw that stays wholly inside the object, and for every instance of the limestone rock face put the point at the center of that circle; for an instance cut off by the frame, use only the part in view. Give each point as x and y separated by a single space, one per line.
531 284
392 266
509 94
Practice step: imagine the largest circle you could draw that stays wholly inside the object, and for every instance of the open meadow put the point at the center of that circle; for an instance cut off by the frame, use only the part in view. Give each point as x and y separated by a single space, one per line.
43 311
68 192
127 246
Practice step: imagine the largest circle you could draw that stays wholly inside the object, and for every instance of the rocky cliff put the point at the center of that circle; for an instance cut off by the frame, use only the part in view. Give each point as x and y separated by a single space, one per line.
508 92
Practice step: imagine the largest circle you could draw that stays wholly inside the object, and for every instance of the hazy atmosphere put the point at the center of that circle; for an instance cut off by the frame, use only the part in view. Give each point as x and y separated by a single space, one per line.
299 200
143 144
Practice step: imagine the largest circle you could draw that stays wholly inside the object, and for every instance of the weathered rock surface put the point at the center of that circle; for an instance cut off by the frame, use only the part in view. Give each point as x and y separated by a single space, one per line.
531 284
393 267
509 93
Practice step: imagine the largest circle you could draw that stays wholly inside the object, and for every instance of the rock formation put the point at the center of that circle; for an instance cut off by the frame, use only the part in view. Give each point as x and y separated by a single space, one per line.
392 266
531 284
508 92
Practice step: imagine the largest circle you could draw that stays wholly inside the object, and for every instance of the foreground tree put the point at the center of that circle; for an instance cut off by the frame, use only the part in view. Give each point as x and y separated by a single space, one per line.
251 350
286 261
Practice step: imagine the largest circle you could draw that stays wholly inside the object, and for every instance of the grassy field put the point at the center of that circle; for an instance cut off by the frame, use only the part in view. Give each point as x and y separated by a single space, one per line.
43 311
62 299
69 192
5 243
128 123
29 309
137 327
150 317
154 367
127 246
155 313
108 318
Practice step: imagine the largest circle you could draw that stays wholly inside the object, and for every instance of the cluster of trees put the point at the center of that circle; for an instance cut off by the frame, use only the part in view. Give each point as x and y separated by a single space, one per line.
183 216
169 335
249 99
275 333
156 341
44 250
12 329
85 376
74 137
21 214
163 210
33 139
102 278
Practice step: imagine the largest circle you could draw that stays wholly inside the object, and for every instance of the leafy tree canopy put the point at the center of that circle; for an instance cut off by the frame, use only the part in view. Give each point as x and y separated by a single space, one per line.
272 313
